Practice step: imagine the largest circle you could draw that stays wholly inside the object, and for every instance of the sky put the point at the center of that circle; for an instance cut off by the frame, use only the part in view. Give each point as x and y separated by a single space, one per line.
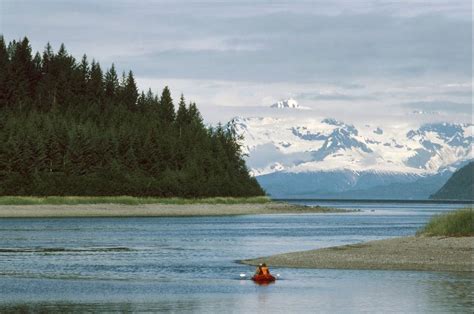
348 59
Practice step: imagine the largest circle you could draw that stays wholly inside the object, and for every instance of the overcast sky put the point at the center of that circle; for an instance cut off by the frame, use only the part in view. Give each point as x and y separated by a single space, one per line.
354 59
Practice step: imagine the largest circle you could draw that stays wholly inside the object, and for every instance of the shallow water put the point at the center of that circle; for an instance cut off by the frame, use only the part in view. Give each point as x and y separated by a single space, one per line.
188 264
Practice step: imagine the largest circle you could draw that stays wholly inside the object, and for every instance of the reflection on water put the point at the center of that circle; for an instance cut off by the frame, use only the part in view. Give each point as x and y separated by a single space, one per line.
62 249
188 265
129 307
450 289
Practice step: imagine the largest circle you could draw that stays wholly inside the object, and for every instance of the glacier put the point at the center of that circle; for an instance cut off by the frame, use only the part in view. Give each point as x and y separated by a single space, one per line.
327 158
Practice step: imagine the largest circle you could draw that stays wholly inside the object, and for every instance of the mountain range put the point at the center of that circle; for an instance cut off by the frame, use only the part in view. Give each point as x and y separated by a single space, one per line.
327 158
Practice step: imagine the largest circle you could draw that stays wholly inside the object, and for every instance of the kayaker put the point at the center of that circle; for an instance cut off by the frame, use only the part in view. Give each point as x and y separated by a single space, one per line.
262 269
262 275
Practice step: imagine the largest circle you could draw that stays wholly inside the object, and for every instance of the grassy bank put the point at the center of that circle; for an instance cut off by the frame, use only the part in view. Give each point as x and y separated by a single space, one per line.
459 223
126 200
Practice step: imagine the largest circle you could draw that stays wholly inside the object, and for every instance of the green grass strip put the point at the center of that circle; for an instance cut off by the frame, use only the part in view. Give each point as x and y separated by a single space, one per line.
457 223
126 200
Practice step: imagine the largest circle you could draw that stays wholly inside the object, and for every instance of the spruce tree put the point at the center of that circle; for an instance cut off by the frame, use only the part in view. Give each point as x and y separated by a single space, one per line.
80 79
4 60
166 108
194 115
95 88
65 66
182 117
141 101
111 84
46 88
130 92
150 101
36 73
20 73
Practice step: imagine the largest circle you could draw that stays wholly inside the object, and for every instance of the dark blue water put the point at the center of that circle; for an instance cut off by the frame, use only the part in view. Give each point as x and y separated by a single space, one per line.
188 264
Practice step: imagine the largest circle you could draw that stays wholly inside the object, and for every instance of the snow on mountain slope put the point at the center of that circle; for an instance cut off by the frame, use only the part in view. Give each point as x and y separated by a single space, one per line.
288 103
296 154
327 144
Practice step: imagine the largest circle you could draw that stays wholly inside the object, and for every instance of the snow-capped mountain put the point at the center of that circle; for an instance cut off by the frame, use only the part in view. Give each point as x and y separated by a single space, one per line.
327 157
288 103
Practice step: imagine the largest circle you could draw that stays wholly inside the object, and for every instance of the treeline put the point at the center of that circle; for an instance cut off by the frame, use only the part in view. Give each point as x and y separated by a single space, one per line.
67 128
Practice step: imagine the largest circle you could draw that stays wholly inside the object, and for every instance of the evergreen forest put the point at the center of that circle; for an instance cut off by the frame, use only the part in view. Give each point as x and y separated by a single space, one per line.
68 127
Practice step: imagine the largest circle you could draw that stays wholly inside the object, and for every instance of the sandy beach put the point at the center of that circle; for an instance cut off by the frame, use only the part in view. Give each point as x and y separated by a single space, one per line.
155 210
407 253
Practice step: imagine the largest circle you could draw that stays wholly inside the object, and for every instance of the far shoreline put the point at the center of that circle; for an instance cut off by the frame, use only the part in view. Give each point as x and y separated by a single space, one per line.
158 210
379 200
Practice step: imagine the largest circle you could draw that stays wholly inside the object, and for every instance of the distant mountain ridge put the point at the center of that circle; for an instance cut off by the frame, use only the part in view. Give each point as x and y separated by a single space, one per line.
460 185
350 185
327 157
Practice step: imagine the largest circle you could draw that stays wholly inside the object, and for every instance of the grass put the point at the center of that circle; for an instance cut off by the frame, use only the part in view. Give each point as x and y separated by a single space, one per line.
457 224
126 200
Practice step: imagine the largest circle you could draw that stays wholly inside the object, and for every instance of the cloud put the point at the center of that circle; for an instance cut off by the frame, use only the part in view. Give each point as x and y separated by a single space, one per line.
302 41
334 95
358 58
373 100
437 105
302 47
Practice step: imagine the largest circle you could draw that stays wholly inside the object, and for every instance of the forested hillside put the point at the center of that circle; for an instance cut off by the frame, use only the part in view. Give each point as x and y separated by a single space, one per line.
68 128
460 186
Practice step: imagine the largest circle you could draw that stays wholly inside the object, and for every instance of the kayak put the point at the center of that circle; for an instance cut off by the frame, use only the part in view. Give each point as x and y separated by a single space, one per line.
263 278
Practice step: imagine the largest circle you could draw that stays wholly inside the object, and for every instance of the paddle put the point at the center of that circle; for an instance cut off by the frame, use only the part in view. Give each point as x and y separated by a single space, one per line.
243 276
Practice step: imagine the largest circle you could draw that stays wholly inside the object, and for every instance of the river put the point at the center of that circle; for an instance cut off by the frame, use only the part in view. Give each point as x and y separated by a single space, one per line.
189 264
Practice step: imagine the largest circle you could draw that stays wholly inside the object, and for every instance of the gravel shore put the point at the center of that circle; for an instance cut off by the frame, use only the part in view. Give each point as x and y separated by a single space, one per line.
407 253
155 210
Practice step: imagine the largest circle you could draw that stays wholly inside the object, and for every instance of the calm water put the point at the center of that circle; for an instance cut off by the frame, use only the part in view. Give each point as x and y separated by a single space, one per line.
188 264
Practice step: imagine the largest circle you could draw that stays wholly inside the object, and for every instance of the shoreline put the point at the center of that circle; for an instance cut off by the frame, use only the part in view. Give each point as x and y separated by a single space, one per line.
406 253
157 210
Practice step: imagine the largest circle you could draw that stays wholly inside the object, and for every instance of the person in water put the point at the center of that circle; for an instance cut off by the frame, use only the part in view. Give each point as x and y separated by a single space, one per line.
262 269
